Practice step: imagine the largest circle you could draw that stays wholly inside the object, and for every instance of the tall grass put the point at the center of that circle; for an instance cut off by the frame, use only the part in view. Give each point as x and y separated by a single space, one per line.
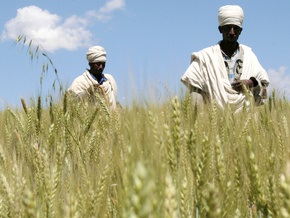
172 160
71 159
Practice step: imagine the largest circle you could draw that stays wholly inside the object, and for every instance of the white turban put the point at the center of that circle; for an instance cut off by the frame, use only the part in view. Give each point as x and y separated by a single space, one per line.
96 54
231 14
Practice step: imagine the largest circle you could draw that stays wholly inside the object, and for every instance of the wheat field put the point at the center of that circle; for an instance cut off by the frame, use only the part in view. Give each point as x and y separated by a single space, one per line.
69 159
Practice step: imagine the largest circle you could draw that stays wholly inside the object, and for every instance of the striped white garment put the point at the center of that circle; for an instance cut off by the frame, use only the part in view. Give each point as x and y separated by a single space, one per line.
207 72
84 82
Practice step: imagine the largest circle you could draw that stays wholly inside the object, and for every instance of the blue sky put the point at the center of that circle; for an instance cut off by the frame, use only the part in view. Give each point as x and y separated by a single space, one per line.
148 43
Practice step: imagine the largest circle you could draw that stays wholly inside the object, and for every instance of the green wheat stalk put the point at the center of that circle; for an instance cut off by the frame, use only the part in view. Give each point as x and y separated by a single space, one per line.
29 204
8 192
285 192
170 203
256 194
171 155
183 197
211 202
175 127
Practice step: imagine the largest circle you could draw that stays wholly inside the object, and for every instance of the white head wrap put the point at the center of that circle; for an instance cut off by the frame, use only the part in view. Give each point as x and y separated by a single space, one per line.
231 14
96 54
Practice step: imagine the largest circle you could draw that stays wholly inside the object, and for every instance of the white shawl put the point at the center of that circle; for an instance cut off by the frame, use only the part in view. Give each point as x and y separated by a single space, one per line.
83 83
208 73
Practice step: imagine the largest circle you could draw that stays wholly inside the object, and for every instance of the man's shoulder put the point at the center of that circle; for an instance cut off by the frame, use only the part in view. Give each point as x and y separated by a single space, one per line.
108 76
83 77
111 81
210 48
245 47
209 51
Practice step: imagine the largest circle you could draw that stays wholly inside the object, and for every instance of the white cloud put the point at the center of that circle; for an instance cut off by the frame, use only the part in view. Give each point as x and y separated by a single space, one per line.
112 5
280 81
104 13
48 29
52 31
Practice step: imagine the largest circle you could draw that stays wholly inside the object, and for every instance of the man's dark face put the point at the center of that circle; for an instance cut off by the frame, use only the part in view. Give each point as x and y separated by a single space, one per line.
97 68
230 33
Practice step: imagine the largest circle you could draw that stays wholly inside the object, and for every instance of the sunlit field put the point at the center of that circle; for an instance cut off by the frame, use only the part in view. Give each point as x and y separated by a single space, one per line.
174 159
62 157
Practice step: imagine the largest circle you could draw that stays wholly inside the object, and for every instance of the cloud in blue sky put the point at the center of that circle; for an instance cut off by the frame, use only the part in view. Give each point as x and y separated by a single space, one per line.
112 5
105 12
279 81
57 33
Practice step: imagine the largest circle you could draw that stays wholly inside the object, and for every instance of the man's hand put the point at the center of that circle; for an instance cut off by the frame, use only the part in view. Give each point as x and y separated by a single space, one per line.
239 85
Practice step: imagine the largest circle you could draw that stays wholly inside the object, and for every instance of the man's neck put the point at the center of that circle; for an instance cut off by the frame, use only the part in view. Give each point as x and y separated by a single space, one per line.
97 76
229 48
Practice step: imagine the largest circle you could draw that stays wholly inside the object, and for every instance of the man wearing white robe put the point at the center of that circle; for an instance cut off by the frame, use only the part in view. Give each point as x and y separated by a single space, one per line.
229 71
94 82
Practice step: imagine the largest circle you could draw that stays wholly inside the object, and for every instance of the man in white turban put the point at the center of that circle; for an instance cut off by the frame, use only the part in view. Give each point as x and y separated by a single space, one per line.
227 72
93 82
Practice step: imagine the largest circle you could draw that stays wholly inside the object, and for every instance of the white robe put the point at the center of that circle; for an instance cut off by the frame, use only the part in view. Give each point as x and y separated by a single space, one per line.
207 72
82 84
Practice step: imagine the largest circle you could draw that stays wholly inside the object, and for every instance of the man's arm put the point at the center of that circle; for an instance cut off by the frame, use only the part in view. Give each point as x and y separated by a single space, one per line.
196 96
258 88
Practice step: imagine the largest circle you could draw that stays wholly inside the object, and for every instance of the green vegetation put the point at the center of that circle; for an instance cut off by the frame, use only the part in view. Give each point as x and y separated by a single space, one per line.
171 160
72 159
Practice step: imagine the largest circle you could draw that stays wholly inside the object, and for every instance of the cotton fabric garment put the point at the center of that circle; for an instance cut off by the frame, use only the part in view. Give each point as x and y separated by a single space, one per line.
83 85
96 54
231 15
207 73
